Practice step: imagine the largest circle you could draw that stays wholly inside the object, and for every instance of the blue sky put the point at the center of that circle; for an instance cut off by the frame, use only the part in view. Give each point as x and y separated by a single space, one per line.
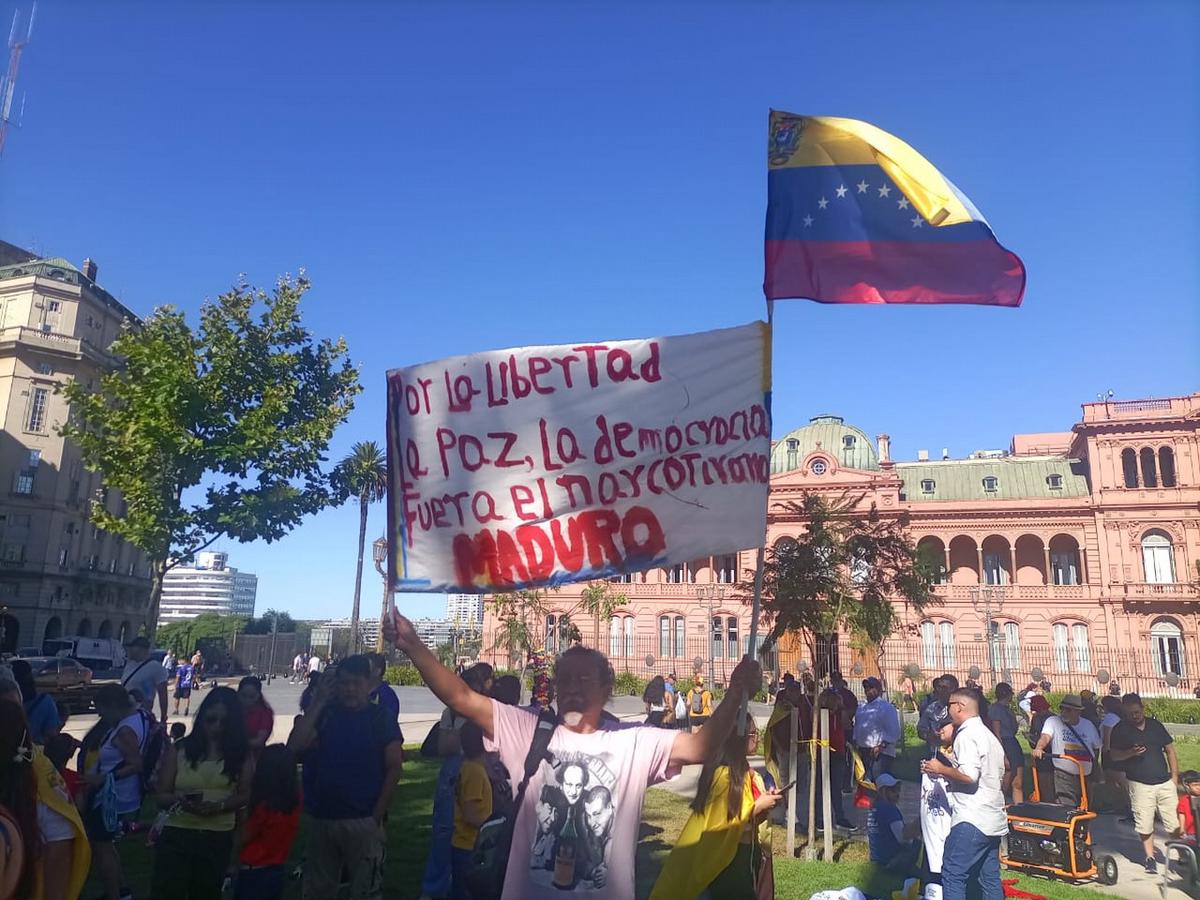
475 176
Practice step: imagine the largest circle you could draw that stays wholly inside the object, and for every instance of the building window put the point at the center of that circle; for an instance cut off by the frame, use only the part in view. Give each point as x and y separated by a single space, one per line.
1149 469
45 369
928 485
1012 645
937 645
1166 646
551 634
726 568
993 569
628 623
664 638
53 306
1063 567
991 484
818 467
1129 467
37 410
793 447
624 578
849 441
717 637
62 557
731 637
1158 559
12 552
614 638
1061 658
679 636
1082 649
1166 466
1054 482
680 573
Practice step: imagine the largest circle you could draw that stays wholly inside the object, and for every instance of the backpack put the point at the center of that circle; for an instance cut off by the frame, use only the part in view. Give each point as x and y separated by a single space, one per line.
489 858
152 750
697 702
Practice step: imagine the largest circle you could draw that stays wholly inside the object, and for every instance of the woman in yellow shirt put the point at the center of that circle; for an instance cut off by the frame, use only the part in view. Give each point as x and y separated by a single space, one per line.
202 783
724 850
472 807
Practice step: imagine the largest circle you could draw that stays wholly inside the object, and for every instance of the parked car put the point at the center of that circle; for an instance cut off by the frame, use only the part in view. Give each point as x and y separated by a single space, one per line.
52 673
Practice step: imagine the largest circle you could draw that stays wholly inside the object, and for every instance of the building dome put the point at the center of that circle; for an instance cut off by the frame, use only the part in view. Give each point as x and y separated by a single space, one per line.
849 446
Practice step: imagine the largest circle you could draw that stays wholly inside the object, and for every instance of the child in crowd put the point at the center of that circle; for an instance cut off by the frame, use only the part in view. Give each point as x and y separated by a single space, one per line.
178 731
472 807
892 844
935 799
1189 806
270 829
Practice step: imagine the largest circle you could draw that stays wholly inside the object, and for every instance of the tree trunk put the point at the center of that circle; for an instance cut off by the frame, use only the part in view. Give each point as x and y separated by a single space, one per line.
158 568
362 540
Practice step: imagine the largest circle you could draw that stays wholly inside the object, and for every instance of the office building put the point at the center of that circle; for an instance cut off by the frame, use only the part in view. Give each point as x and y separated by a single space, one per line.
465 610
208 585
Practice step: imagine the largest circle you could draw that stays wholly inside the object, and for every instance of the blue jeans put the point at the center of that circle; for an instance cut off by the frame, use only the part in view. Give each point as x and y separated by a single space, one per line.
263 883
971 856
436 880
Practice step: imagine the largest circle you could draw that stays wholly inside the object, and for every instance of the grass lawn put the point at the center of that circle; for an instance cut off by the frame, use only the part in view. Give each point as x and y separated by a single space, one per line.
662 820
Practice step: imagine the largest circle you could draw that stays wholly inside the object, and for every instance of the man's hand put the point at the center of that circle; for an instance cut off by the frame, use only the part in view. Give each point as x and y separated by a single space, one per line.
934 767
1037 753
1139 749
746 677
399 631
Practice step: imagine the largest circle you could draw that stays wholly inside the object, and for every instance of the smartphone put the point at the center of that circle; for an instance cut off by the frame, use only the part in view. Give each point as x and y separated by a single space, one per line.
787 787
944 760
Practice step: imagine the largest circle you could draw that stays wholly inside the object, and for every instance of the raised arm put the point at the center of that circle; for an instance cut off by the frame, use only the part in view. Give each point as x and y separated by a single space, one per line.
703 744
447 686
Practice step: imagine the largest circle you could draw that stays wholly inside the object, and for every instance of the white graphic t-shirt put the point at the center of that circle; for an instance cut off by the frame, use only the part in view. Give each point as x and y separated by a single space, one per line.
578 825
1075 747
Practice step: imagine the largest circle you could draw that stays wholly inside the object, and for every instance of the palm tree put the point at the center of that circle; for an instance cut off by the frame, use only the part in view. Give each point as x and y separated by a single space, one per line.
362 474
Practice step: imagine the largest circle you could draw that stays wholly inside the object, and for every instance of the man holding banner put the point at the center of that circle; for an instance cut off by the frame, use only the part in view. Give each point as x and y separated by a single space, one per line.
598 775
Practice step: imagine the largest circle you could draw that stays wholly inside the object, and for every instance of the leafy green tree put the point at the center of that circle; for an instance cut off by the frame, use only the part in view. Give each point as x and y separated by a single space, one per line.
845 573
361 474
265 624
181 637
215 433
599 601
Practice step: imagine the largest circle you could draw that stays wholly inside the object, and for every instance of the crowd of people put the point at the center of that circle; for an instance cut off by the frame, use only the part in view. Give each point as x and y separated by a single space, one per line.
560 778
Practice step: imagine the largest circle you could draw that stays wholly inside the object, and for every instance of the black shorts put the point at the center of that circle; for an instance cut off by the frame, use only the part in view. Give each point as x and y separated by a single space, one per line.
1013 752
93 826
183 693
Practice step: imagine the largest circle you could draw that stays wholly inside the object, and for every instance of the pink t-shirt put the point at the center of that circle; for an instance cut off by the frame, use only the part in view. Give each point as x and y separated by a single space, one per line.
597 782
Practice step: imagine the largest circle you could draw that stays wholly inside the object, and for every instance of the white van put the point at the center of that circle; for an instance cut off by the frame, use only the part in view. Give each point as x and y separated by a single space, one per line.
98 654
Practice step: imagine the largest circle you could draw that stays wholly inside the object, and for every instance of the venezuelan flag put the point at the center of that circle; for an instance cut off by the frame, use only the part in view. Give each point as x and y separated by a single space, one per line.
855 215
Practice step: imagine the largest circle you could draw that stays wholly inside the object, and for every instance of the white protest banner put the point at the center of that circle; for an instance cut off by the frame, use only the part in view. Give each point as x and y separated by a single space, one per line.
546 465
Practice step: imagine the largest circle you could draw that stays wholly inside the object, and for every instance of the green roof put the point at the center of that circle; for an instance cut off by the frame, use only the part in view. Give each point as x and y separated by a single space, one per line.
1016 478
59 269
850 446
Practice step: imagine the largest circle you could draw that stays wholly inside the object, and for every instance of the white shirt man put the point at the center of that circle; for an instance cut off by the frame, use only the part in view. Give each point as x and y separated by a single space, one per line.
978 819
1074 744
876 728
146 676
314 664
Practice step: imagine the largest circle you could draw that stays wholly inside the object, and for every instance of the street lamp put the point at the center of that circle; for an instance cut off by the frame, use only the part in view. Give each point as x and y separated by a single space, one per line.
710 592
989 599
379 552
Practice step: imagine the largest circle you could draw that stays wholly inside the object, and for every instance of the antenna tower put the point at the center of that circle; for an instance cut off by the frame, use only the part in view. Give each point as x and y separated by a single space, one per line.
8 86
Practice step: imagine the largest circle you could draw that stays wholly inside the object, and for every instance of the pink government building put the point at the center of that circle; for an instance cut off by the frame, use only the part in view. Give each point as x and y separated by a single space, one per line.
1082 546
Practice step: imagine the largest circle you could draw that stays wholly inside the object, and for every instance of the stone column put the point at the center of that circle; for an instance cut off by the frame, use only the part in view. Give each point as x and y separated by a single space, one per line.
1012 557
1048 579
979 555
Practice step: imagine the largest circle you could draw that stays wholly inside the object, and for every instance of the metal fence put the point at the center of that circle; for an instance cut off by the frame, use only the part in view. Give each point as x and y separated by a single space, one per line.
1150 671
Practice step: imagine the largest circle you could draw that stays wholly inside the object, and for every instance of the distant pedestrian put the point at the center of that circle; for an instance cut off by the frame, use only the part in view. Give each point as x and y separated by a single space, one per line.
1152 770
145 674
168 664
1073 745
271 825
699 703
472 807
314 664
299 664
1004 725
978 818
1112 768
876 730
908 693
654 697
933 710
352 756
184 675
1189 807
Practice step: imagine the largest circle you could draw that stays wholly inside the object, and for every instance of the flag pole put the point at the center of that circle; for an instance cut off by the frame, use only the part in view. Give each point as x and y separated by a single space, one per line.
762 548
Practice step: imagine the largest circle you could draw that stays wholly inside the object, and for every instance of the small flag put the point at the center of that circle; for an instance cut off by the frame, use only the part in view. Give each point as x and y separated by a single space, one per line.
855 215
